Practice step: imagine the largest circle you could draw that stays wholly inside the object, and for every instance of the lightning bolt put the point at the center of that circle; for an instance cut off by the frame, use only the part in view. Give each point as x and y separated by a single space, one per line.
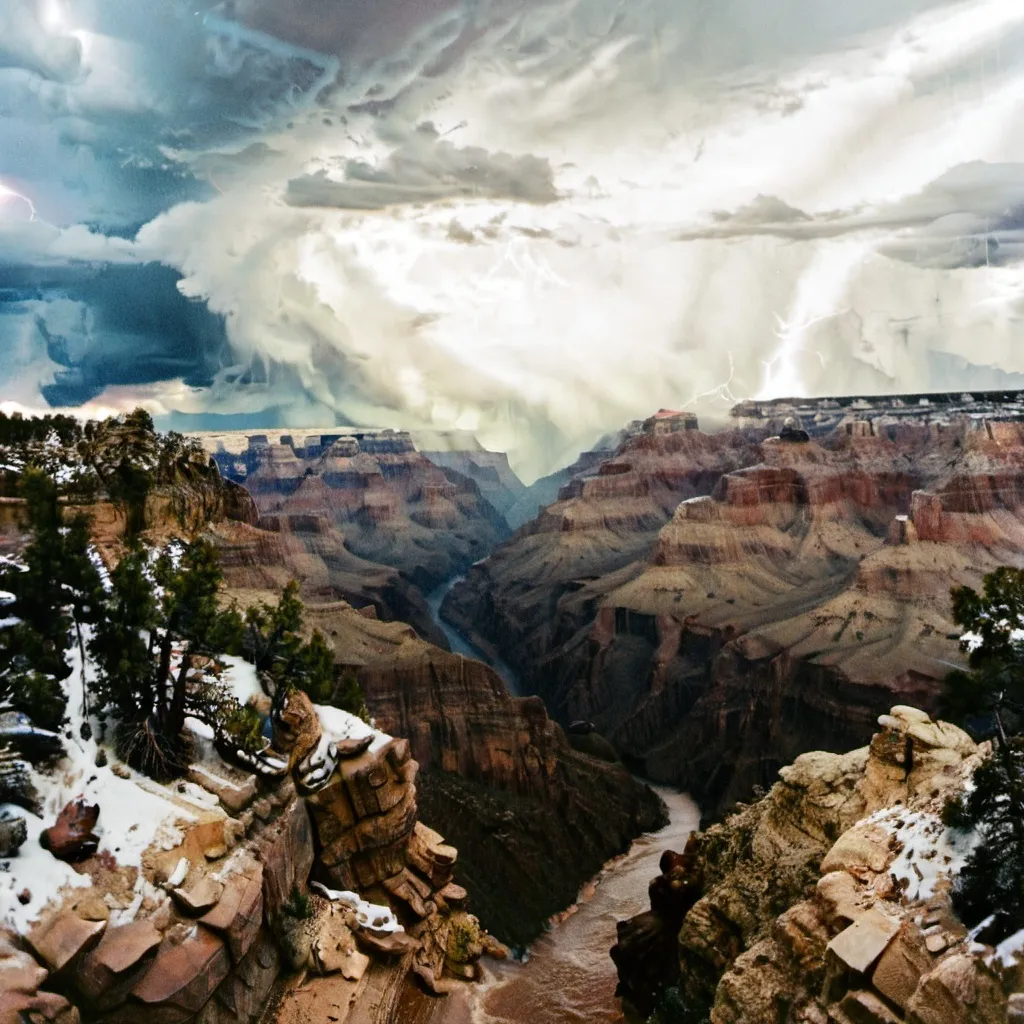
721 391
9 193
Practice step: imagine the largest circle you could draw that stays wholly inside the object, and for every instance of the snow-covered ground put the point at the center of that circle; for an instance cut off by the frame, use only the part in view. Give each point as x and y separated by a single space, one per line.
133 815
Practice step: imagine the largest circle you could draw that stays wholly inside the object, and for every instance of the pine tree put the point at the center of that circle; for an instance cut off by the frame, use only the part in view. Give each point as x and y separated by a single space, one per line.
274 643
990 699
53 597
133 650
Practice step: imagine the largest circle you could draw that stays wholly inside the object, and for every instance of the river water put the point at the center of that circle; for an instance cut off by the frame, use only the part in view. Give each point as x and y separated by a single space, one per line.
569 977
461 645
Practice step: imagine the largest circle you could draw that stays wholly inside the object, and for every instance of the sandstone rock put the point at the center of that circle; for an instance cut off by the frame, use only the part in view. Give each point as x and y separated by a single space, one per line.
395 944
334 948
864 941
19 971
1015 1009
71 838
182 978
58 939
862 851
37 1008
901 966
839 892
108 973
200 896
867 1008
285 851
957 990
239 912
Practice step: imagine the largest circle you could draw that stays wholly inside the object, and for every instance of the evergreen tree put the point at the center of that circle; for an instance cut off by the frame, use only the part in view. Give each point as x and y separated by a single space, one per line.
274 642
52 597
133 650
989 699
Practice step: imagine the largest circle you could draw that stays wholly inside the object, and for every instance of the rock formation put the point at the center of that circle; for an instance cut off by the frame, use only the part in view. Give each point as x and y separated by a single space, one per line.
385 501
221 906
717 605
827 900
534 818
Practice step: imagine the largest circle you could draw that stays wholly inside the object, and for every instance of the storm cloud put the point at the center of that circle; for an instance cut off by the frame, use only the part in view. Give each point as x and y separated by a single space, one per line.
535 219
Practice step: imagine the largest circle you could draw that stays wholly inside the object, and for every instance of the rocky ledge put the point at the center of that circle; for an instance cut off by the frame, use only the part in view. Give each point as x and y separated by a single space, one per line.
260 876
827 902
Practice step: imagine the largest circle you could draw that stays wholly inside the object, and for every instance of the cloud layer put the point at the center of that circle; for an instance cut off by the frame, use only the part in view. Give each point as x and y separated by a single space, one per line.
531 218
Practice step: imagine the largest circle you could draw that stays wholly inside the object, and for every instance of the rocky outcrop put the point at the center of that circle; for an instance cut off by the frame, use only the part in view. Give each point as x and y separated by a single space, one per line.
497 773
828 900
532 817
797 589
490 471
244 891
258 562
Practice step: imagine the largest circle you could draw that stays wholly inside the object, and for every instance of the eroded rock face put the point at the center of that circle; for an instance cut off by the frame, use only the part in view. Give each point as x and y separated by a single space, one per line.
225 905
828 899
716 605
532 817
392 505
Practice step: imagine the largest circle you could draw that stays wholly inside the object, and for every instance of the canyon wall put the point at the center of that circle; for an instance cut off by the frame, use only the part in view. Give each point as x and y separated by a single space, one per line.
716 605
392 505
534 818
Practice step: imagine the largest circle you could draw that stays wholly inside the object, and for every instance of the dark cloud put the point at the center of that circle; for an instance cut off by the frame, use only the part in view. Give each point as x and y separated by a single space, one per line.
109 325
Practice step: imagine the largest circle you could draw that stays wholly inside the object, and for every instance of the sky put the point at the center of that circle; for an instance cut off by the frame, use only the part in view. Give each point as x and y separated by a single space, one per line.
532 219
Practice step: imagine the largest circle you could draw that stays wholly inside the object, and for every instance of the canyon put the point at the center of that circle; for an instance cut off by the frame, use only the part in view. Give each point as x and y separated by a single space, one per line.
700 608
717 604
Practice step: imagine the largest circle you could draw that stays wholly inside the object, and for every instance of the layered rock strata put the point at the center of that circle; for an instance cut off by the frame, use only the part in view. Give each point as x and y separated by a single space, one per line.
785 593
828 900
390 504
497 774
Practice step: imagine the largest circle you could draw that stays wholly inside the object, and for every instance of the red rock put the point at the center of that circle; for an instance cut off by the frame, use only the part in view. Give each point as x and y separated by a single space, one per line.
71 838
38 1008
107 974
239 913
182 978
58 939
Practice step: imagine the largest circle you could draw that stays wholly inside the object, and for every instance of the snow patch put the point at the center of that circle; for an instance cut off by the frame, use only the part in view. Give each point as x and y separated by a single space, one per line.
372 916
341 725
929 851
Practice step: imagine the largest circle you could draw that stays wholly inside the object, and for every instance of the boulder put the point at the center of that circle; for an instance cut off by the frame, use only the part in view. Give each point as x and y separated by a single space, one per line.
860 945
862 851
234 788
866 1008
182 978
71 837
37 1008
19 971
239 912
901 966
106 975
200 896
334 948
59 938
958 990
